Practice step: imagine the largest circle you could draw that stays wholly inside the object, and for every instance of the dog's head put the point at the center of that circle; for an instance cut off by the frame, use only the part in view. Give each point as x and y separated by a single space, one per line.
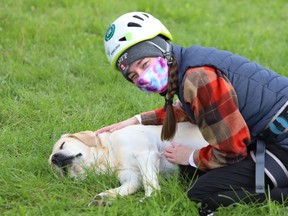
74 153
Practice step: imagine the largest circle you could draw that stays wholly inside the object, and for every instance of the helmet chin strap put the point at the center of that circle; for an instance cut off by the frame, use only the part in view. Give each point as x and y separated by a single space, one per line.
166 53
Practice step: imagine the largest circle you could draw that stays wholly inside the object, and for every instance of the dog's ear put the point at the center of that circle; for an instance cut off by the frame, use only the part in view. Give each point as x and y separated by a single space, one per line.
87 137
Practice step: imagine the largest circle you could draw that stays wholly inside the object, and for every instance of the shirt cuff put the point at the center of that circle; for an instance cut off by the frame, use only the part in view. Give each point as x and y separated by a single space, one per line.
139 118
191 159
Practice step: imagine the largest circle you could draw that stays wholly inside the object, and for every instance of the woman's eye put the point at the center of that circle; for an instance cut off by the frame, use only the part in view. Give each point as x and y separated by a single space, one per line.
132 76
145 64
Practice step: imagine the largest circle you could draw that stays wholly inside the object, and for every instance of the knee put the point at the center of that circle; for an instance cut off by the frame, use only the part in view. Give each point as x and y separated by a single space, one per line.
196 193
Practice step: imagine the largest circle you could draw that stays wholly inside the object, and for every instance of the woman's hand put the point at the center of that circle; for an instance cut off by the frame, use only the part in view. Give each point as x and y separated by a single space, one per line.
119 125
178 153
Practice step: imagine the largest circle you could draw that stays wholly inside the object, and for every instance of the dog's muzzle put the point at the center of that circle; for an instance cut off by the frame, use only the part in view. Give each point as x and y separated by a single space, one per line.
63 161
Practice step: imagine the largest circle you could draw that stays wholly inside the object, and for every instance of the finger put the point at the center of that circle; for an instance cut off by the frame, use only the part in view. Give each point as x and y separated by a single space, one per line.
170 159
116 127
104 129
98 131
168 149
167 154
101 130
174 144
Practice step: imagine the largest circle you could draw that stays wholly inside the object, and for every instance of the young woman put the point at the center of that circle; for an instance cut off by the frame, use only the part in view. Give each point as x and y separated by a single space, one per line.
234 102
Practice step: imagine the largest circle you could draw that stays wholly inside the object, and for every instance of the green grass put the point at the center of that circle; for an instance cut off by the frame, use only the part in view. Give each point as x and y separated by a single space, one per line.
55 78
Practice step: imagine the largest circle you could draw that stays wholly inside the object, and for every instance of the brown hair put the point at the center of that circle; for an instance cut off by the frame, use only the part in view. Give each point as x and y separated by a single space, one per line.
169 124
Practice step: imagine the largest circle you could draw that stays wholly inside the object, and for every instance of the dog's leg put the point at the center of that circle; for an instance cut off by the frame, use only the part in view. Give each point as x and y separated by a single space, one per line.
149 162
130 183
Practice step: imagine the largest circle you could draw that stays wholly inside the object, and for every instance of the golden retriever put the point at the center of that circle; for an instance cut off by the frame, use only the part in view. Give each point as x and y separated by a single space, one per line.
134 152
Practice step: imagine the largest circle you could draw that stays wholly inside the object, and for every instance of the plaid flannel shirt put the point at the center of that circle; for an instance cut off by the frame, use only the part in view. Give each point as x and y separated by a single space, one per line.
214 103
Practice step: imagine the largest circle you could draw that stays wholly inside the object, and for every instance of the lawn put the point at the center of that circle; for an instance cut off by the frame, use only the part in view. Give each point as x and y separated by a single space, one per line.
55 79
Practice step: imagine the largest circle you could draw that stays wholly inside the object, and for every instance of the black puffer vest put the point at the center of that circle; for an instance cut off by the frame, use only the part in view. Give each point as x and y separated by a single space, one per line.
261 92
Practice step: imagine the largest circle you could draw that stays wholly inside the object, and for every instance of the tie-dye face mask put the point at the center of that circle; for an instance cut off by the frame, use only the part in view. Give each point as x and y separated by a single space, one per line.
155 78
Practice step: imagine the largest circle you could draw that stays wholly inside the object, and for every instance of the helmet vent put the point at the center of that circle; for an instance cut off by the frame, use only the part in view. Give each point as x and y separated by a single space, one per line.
132 24
123 39
146 15
138 17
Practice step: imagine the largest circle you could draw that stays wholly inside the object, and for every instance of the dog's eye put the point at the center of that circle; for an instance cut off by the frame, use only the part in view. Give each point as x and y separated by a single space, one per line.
78 155
61 147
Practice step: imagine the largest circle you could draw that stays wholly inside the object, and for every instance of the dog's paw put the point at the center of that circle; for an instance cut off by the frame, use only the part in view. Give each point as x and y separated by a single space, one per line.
149 196
100 200
142 200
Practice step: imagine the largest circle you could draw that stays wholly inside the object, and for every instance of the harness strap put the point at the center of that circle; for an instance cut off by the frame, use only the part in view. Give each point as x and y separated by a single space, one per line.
259 169
274 169
267 162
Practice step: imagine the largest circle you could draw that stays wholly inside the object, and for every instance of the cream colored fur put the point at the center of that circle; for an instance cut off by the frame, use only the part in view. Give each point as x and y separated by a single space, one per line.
134 152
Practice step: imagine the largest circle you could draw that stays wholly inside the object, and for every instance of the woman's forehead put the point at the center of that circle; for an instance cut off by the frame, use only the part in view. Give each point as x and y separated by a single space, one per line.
140 61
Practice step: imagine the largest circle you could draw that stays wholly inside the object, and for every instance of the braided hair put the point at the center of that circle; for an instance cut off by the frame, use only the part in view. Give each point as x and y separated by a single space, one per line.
169 124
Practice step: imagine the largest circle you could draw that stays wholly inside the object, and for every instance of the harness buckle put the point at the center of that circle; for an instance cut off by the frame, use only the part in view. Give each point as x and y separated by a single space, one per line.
279 124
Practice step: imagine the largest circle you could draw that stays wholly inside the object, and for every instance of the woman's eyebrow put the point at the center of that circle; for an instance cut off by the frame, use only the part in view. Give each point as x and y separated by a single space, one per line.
139 61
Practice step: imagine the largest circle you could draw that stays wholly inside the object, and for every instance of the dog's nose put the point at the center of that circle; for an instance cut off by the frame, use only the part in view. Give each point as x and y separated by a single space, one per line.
55 158
61 160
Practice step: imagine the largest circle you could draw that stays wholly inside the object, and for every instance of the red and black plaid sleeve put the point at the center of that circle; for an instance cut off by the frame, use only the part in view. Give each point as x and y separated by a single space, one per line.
214 102
156 117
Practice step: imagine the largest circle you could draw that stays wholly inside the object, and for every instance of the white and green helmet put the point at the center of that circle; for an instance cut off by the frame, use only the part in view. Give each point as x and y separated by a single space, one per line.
130 29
